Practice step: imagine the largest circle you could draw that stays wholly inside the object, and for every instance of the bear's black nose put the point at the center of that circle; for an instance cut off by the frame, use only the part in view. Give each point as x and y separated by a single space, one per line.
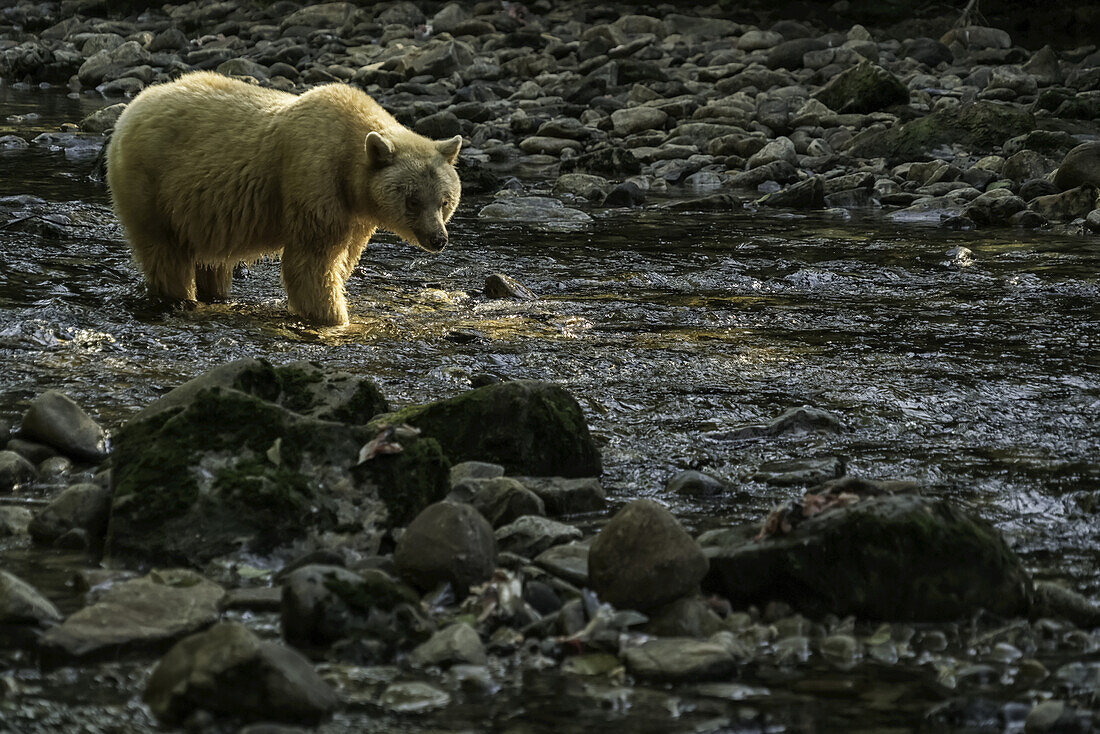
439 242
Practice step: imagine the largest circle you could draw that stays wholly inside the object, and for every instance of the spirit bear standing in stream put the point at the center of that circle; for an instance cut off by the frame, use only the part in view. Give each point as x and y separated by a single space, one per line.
207 171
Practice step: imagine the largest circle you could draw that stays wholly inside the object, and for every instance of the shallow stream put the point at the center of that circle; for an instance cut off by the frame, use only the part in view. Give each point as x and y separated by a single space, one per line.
978 377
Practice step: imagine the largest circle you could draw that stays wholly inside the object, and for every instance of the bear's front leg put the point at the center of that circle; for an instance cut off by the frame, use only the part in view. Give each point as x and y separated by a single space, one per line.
314 280
212 282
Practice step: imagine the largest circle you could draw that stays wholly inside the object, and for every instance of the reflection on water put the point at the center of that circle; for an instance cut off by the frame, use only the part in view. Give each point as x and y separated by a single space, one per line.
979 379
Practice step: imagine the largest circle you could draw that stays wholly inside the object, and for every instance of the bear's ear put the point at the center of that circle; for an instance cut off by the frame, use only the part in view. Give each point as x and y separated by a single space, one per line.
379 150
449 148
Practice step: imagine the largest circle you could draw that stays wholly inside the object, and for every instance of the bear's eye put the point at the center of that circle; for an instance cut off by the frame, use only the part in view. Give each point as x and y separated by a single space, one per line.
445 203
412 202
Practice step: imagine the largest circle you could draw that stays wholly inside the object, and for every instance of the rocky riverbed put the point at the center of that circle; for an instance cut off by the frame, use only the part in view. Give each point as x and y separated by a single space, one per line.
429 538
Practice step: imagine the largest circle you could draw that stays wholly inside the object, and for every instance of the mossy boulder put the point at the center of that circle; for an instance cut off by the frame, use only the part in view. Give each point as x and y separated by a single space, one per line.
864 88
305 388
211 469
980 127
527 426
901 557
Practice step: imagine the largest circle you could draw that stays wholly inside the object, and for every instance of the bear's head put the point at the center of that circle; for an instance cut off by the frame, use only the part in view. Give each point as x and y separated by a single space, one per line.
413 186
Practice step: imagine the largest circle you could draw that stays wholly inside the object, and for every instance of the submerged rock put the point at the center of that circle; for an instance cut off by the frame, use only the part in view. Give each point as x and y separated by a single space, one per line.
696 484
21 603
138 615
538 209
207 469
228 670
55 420
901 557
526 426
804 419
447 543
643 558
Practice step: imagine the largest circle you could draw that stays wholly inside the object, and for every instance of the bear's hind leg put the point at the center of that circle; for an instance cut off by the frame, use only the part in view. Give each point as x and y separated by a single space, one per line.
169 272
212 282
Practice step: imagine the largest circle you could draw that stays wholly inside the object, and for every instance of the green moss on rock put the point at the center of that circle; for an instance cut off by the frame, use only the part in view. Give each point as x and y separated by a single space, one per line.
893 558
411 480
981 127
527 426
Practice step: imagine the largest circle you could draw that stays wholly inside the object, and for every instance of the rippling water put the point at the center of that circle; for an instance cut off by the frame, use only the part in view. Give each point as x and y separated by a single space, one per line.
979 379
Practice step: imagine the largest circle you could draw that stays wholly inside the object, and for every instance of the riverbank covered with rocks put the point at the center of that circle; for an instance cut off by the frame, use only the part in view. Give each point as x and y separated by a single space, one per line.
280 546
570 108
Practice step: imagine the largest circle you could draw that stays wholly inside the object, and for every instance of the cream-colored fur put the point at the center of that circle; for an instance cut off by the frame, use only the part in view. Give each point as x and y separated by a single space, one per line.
206 171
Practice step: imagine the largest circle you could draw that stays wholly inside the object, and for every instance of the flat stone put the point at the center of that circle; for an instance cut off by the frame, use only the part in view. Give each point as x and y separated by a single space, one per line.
679 659
531 535
568 561
566 496
138 615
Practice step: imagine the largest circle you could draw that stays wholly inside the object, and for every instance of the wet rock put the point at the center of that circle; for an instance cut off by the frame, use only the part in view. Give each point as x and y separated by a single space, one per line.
1056 717
440 125
541 597
1052 600
413 697
808 194
901 557
241 67
458 643
800 471
643 558
80 507
504 500
981 127
1067 205
228 670
1080 167
138 615
539 209
15 471
757 40
626 194
206 470
103 119
608 161
804 419
21 603
679 659
105 65
531 535
696 484
527 426
583 185
778 171
864 88
14 521
55 420
564 496
322 604
569 562
447 543
499 285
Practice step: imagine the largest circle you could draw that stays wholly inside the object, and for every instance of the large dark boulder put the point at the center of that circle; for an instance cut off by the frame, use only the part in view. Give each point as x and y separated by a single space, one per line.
246 457
1081 166
228 670
864 88
527 426
894 557
643 558
980 127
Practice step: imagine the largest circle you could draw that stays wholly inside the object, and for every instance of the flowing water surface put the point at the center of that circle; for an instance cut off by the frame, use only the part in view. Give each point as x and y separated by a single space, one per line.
978 377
